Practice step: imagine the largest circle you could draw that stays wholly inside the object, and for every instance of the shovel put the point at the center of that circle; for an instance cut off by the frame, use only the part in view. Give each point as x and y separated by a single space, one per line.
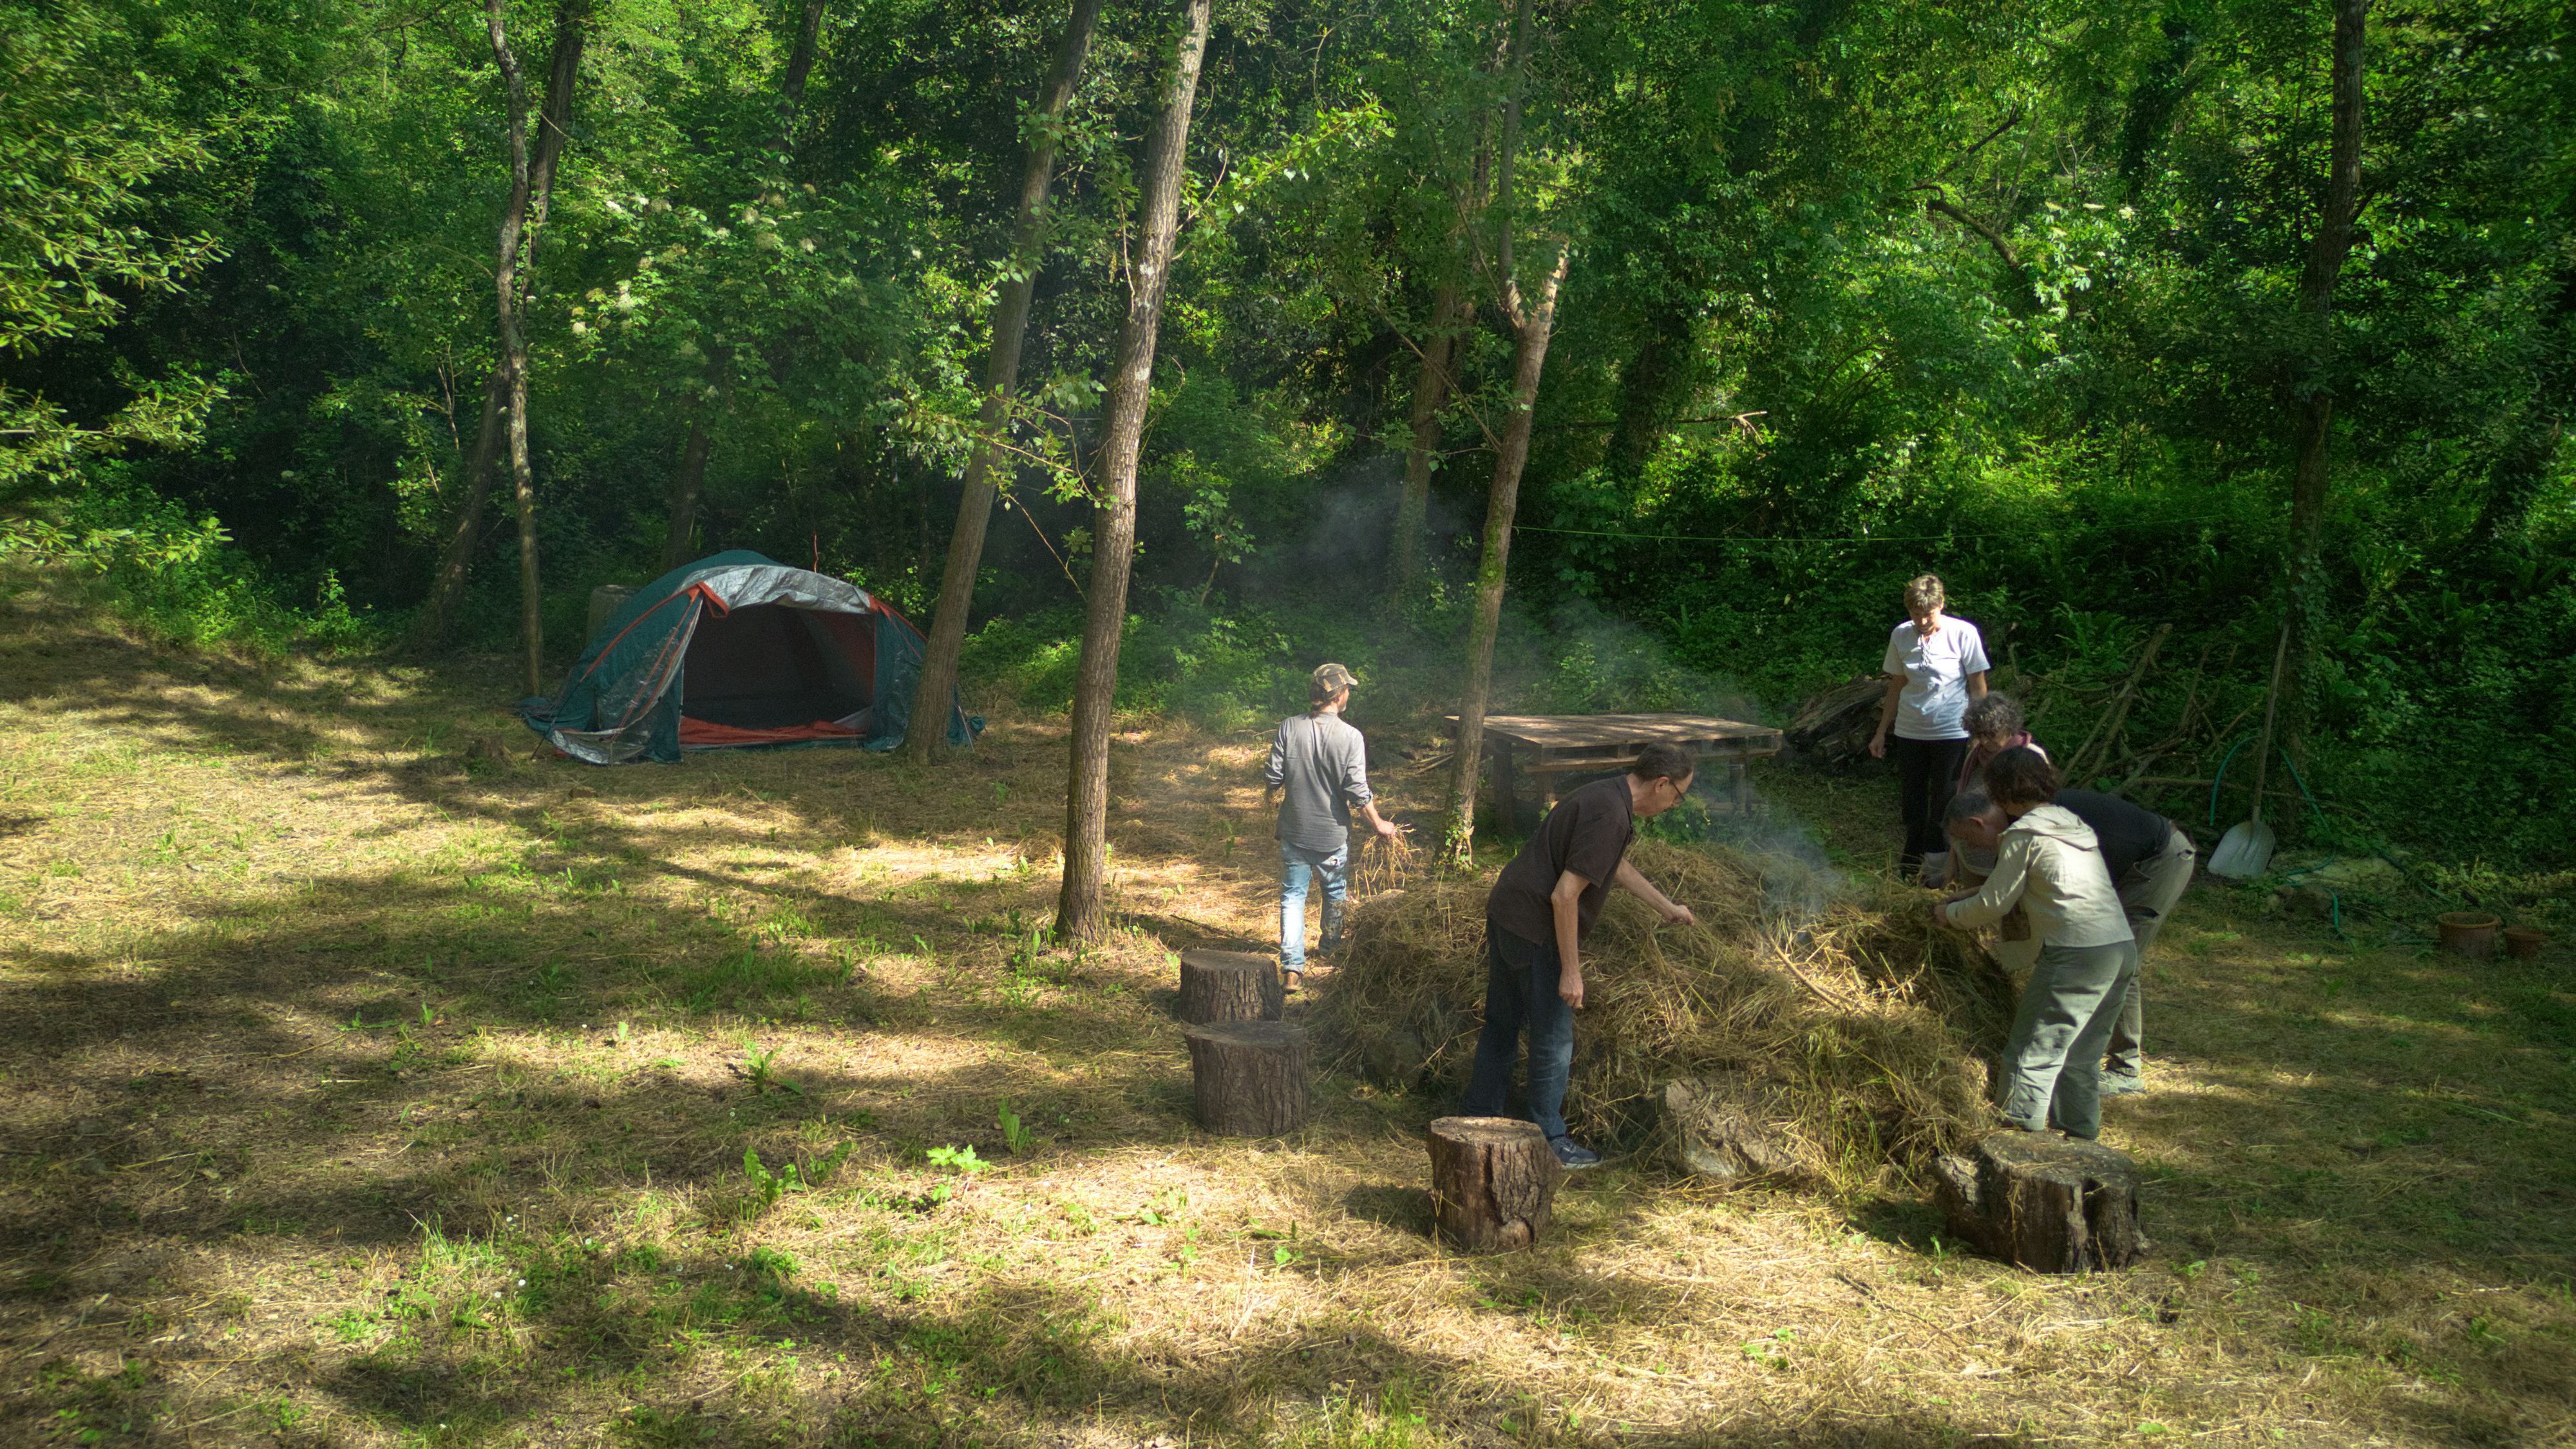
2246 849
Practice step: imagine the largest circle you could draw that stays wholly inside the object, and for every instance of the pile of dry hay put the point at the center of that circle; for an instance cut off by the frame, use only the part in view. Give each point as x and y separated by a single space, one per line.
1849 1035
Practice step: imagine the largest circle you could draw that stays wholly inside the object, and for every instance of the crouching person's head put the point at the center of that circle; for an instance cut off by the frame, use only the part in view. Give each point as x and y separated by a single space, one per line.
1974 825
1660 778
2020 781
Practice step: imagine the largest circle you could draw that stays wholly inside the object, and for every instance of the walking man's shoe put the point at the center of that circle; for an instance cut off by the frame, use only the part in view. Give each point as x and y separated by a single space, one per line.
1574 1155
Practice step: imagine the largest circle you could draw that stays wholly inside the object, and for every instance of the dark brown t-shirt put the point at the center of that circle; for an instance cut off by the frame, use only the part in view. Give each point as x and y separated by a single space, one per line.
1587 833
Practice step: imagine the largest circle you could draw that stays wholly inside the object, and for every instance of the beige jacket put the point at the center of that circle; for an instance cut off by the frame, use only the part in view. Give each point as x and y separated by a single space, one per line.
2051 864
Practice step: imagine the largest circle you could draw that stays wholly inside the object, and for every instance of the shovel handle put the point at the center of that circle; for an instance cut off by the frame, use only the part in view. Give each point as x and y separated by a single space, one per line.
2271 708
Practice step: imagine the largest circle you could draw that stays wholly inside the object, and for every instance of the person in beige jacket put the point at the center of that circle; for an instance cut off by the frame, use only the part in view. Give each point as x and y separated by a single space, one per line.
2049 863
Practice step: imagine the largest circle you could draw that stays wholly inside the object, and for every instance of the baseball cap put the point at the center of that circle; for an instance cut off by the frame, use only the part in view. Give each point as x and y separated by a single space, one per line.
1332 679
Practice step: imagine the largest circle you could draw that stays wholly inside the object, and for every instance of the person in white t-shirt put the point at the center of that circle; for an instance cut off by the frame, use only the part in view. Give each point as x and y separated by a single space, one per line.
1935 665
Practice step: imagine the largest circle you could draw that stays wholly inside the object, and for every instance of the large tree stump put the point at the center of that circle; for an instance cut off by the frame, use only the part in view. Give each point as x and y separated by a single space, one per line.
1220 986
1251 1077
2049 1202
1493 1180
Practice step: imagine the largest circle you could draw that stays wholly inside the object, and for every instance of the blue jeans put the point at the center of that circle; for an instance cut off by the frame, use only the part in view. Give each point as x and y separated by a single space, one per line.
1297 865
1520 994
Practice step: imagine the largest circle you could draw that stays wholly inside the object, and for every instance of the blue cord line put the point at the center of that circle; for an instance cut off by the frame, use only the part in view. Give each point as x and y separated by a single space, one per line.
2222 779
2293 766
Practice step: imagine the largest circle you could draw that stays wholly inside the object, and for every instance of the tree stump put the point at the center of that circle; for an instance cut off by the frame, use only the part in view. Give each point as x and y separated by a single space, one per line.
1221 986
1251 1077
1493 1180
605 601
2049 1202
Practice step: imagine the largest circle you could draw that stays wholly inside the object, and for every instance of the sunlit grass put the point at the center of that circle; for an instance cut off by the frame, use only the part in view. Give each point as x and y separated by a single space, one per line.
354 1096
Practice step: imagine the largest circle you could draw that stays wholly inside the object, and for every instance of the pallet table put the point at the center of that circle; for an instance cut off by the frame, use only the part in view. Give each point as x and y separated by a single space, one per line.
1551 745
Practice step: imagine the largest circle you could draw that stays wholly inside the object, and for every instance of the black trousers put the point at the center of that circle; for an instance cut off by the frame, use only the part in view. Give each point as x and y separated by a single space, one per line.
1927 775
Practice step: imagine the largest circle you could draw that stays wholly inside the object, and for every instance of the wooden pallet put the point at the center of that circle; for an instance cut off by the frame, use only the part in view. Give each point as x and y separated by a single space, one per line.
1551 746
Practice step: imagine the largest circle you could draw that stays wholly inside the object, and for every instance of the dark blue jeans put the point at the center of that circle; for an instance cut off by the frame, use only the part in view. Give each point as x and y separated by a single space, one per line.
1520 994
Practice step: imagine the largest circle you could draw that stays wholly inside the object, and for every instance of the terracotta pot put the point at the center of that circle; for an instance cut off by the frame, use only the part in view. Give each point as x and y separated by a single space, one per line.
2468 933
2523 943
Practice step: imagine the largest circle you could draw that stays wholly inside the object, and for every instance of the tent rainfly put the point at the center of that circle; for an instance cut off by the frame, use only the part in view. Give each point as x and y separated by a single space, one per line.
735 652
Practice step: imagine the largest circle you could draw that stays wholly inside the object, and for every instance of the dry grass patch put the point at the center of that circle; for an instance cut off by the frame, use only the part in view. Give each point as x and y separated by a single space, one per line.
402 1099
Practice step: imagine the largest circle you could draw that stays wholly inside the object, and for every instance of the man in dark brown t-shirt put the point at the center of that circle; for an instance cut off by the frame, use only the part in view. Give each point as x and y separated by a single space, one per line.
1535 920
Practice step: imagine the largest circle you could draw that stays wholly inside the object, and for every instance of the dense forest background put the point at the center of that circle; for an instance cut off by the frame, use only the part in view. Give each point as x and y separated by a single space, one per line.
2016 292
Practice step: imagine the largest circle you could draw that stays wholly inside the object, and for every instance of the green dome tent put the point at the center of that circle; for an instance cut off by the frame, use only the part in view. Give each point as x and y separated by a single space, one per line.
740 651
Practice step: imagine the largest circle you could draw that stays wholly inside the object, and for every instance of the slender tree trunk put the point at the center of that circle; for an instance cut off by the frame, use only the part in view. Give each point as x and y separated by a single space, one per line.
685 483
533 192
800 64
1001 375
2312 390
1532 329
456 558
1529 355
1081 913
514 346
1430 395
688 483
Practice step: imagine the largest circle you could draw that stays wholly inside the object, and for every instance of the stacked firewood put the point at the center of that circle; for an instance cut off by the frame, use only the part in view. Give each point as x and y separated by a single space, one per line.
1833 728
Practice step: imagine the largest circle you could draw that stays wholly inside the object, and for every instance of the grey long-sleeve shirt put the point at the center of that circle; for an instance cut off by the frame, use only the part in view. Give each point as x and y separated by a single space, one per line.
1322 764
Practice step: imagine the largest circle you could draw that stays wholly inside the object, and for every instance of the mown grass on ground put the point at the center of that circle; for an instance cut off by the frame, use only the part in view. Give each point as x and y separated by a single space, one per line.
356 1091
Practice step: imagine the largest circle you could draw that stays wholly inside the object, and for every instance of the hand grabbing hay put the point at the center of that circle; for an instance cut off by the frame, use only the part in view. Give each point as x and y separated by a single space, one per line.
1386 863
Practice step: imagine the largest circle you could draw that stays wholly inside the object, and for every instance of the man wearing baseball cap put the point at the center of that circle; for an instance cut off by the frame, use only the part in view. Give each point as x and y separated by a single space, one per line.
1322 765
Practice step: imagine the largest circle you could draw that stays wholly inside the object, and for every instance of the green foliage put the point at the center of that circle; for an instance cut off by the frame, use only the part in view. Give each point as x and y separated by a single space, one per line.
88 129
960 1160
1019 1139
2006 293
769 1187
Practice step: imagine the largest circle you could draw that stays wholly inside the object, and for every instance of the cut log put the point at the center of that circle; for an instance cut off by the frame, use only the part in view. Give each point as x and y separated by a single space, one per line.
605 601
2049 1202
1251 1077
1833 728
1220 986
1713 1128
1493 1181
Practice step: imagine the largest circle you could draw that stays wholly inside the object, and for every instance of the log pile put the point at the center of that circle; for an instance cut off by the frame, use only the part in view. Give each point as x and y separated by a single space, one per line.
1833 728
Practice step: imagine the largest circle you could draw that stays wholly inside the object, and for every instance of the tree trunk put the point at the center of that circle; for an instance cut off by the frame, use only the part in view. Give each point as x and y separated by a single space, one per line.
1081 914
1532 329
685 483
800 63
1430 394
456 559
688 484
1220 986
1251 1077
514 346
2312 390
2049 1202
1001 375
1493 1182
1529 355
531 191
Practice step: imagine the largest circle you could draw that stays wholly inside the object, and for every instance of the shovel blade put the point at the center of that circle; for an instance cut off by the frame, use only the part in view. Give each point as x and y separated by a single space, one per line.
2243 852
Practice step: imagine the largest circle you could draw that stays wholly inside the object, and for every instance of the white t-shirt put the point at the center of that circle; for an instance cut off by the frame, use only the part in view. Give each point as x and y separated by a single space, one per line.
1934 702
